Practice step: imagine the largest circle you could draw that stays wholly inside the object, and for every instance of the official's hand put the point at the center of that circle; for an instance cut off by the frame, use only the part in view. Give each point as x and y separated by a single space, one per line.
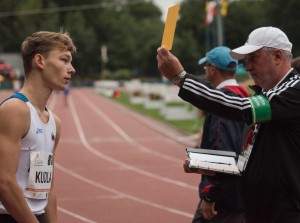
167 63
207 209
187 169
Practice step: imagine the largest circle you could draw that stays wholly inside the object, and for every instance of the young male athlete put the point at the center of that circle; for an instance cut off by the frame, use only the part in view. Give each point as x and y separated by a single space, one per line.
29 131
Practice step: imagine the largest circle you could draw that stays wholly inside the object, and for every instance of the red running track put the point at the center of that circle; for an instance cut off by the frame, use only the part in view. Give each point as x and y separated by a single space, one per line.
113 165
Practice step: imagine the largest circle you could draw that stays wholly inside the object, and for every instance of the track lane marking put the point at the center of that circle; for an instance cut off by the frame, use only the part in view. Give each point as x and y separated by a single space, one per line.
119 193
99 154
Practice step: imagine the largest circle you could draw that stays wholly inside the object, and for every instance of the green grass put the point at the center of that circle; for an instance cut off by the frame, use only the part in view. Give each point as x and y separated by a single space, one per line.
188 126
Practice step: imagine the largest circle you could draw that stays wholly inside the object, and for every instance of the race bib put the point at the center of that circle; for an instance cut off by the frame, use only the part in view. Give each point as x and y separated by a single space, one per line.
40 175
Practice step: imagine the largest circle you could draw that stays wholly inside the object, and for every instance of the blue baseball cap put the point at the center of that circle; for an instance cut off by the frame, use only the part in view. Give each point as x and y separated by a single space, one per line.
220 57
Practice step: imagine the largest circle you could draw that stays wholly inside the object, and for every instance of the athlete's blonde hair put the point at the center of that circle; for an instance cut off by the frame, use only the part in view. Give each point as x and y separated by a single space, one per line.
43 42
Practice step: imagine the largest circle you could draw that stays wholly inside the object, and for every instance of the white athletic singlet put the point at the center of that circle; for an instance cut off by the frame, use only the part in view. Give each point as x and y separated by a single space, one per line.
36 160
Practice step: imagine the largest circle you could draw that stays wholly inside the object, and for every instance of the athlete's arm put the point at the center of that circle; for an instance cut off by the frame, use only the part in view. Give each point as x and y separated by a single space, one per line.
51 208
15 123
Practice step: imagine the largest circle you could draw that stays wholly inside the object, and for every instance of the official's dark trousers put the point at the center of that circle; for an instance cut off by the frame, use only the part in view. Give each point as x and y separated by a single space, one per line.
223 216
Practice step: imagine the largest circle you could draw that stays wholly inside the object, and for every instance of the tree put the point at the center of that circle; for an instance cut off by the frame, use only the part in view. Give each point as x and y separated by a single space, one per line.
135 36
189 41
285 15
86 59
242 18
132 29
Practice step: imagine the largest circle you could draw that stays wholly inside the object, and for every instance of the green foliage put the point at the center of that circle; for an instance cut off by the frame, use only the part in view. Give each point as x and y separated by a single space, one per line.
241 20
187 49
141 10
86 60
121 74
190 34
285 15
132 30
175 104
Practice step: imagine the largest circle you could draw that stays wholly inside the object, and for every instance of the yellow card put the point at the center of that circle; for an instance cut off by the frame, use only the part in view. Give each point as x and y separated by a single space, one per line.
170 26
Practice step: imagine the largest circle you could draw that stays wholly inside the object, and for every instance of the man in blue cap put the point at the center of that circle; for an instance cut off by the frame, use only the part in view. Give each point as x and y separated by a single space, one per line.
219 195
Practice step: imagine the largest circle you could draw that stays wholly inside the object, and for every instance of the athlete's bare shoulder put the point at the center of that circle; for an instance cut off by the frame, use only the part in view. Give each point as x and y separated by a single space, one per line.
14 117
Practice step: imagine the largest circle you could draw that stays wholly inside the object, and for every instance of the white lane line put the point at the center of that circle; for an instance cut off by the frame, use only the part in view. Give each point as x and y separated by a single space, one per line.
119 193
91 198
117 162
188 140
125 136
74 215
51 105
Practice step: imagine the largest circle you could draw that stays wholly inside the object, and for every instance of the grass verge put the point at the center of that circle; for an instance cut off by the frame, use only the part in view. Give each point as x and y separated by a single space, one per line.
188 126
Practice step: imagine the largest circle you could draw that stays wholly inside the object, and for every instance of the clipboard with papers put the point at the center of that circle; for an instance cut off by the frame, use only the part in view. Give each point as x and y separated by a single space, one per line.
214 160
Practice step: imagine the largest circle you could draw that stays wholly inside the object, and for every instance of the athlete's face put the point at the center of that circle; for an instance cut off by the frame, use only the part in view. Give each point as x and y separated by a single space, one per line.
58 69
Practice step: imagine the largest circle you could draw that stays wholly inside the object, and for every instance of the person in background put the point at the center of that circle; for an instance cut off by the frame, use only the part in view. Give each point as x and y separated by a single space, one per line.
29 131
16 84
220 200
270 162
67 92
296 64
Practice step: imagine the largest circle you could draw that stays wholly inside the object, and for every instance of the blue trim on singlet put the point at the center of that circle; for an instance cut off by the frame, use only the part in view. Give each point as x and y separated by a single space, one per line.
20 96
17 95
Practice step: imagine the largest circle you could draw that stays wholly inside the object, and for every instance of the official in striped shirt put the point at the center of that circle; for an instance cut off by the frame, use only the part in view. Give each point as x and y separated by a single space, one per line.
270 164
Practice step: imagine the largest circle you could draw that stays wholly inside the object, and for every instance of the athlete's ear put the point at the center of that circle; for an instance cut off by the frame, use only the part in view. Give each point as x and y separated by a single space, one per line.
39 60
